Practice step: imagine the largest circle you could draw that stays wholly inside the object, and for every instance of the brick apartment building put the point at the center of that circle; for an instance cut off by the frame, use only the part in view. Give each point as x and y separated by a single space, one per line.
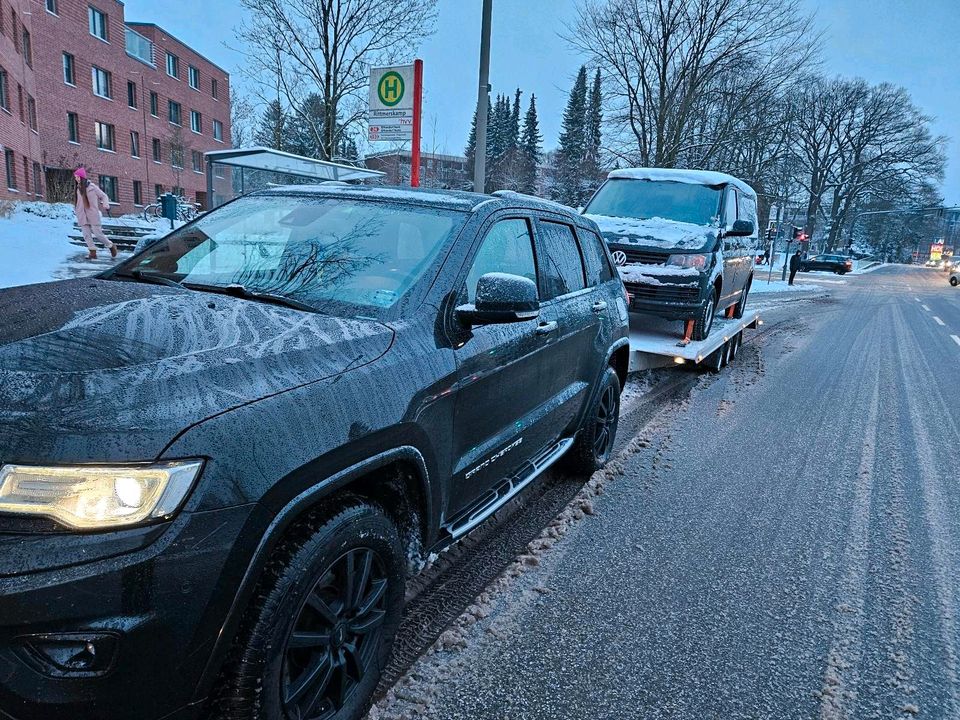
81 85
449 172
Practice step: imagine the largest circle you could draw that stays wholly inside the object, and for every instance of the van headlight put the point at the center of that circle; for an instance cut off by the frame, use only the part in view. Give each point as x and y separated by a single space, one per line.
689 260
97 497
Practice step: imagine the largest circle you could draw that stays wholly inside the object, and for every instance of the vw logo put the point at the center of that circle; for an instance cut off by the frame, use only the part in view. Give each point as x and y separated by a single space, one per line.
619 258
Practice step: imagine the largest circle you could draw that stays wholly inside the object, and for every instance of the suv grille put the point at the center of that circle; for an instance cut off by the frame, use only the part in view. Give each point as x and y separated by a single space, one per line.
664 293
644 257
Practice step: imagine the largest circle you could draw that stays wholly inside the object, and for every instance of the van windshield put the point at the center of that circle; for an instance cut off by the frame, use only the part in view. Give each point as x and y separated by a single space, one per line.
645 199
337 255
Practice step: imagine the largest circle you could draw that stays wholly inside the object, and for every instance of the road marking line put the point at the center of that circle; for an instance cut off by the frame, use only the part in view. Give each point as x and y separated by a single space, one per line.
938 320
925 308
917 299
956 339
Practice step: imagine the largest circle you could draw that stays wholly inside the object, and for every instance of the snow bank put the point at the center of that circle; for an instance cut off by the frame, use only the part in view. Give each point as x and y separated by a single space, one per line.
654 232
691 177
778 286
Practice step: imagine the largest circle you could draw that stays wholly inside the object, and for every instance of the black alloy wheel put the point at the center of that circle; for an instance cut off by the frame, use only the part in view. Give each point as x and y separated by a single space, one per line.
605 427
336 636
594 442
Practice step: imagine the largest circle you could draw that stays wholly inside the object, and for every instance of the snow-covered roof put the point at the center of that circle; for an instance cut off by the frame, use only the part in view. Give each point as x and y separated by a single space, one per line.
693 177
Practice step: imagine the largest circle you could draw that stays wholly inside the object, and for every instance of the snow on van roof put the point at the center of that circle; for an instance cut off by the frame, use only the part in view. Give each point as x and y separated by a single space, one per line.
693 177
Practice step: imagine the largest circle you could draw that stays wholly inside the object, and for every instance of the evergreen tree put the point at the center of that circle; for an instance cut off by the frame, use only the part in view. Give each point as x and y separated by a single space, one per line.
515 121
531 149
573 145
594 121
272 128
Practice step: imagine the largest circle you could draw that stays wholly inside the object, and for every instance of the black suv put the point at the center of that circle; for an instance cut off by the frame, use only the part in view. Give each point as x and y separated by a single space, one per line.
839 264
220 460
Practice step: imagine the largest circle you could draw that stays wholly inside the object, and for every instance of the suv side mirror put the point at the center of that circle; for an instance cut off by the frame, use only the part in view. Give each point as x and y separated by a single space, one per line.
501 298
741 228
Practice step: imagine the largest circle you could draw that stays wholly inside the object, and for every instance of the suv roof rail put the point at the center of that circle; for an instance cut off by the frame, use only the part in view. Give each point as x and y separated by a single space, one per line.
533 198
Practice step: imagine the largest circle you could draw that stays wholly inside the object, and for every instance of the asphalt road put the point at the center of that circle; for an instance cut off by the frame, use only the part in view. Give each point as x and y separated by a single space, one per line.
783 542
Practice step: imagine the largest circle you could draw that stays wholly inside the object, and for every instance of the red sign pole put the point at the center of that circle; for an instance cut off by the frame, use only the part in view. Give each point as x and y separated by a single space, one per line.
417 108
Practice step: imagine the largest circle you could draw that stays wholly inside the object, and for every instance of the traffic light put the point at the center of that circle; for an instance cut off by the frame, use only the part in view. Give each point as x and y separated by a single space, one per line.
771 232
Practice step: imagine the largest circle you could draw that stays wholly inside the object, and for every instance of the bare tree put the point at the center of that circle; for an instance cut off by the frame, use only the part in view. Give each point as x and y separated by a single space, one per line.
671 64
295 48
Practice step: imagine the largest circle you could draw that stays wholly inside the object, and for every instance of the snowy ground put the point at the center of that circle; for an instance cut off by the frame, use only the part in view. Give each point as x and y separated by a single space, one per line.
35 245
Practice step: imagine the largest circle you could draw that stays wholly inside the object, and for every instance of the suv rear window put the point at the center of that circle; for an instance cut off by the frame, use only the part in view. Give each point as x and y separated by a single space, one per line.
562 265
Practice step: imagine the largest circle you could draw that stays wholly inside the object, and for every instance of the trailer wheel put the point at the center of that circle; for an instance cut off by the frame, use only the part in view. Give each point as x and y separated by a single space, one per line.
703 323
716 360
954 281
734 347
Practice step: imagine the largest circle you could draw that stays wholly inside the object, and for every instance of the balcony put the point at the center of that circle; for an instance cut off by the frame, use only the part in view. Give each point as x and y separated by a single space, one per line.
139 47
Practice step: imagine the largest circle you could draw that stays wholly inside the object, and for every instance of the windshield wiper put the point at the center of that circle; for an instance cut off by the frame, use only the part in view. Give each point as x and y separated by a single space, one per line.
236 290
153 278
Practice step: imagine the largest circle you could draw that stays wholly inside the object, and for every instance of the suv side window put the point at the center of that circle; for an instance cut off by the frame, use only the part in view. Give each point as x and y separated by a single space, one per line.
562 265
595 259
507 248
729 218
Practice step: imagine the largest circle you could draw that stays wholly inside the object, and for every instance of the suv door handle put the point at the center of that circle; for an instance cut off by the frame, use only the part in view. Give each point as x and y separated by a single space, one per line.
600 306
546 328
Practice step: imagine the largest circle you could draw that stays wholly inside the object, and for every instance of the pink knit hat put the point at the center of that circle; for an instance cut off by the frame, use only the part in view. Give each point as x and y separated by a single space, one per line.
80 173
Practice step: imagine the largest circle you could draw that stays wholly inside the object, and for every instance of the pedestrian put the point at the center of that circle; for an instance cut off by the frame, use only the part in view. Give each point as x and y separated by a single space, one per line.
90 201
794 264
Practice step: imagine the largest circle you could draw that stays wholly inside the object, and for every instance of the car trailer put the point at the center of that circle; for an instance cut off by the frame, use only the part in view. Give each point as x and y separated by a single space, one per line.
656 343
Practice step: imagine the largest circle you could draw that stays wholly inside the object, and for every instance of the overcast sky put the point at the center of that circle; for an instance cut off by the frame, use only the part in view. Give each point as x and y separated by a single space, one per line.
908 42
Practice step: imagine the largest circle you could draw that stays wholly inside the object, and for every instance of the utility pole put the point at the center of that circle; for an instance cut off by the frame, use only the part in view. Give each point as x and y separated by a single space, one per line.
480 151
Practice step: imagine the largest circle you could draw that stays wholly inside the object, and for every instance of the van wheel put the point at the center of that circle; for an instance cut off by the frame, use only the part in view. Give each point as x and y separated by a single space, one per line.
955 281
742 302
320 627
594 444
703 323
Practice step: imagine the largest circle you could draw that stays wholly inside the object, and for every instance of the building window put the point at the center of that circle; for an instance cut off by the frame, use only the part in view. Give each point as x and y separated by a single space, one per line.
176 157
214 89
158 190
137 193
101 83
218 130
157 151
73 127
134 144
32 112
138 47
197 158
196 121
69 69
104 133
23 117
37 180
27 48
52 7
173 66
154 104
108 183
11 163
4 90
174 112
98 24
193 75
132 94
26 174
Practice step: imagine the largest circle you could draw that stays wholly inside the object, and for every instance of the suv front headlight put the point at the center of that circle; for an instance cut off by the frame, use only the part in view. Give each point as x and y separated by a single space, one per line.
97 497
689 260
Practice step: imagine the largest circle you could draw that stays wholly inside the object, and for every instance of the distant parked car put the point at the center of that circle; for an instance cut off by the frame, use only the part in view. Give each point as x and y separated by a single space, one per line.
955 277
839 264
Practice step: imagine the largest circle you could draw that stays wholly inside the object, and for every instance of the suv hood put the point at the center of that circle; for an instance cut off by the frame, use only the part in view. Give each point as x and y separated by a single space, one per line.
88 361
656 233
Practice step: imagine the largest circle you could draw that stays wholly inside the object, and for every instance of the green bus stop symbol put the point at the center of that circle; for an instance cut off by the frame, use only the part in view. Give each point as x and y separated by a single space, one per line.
390 88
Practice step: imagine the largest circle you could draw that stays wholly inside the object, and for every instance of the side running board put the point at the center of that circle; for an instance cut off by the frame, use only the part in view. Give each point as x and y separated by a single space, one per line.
506 490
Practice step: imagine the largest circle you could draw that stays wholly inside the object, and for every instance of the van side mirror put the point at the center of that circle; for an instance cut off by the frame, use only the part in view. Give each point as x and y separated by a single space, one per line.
741 228
501 298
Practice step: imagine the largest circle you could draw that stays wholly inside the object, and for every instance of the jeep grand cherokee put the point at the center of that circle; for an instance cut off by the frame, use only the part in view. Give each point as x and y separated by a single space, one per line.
220 460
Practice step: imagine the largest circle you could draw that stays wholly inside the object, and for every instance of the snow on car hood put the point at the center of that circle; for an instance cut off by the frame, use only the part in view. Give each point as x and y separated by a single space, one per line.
138 363
657 233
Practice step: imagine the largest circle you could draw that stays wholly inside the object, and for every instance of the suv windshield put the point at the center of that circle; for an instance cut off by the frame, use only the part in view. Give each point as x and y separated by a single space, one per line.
337 255
645 199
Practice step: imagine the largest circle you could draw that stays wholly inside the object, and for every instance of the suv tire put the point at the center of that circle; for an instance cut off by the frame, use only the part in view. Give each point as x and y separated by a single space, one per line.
954 281
703 323
594 444
320 627
742 302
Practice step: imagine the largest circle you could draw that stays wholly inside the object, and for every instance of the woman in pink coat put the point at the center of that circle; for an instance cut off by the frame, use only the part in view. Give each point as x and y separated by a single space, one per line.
90 200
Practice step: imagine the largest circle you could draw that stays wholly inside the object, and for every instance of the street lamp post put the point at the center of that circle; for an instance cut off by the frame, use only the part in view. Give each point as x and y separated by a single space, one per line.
480 149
